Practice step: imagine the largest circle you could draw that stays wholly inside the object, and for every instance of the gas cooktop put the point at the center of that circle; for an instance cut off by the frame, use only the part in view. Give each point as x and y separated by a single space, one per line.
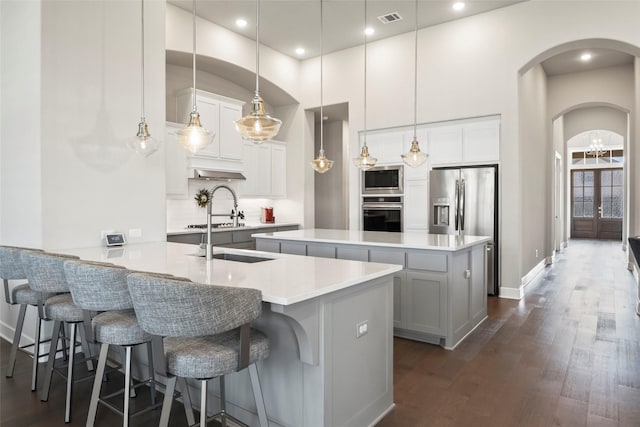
217 225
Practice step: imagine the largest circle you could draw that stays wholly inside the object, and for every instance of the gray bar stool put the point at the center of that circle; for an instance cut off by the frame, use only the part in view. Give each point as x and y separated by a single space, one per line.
45 272
11 268
202 332
99 287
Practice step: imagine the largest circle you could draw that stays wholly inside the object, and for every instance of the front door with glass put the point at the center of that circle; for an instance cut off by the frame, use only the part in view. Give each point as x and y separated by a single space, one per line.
596 203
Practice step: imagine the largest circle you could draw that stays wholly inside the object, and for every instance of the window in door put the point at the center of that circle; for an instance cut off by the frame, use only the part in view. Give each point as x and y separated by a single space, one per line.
596 203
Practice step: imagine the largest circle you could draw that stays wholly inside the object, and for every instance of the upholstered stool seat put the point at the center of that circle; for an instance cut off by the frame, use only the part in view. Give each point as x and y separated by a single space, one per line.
12 268
201 332
61 307
102 288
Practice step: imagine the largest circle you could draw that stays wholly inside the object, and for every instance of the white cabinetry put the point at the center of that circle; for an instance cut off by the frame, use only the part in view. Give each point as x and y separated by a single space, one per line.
217 114
265 167
386 146
475 141
416 188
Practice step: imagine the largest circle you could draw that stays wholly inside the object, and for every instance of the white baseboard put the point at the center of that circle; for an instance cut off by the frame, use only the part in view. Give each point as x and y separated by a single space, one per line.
518 293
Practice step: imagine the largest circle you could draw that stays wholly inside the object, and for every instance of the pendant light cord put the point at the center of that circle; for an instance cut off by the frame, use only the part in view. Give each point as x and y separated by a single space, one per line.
365 73
195 108
321 80
257 47
142 119
415 77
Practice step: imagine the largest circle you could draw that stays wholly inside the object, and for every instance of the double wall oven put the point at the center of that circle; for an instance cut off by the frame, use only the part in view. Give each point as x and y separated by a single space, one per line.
382 198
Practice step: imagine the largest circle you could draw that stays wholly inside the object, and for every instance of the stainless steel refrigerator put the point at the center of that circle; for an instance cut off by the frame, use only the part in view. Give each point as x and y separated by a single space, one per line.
465 201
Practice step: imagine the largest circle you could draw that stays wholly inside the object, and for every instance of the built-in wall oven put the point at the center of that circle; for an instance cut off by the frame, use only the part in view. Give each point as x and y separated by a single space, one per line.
383 180
382 213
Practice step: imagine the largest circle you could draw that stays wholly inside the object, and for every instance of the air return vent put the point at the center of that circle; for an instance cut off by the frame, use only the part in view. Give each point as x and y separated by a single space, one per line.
390 17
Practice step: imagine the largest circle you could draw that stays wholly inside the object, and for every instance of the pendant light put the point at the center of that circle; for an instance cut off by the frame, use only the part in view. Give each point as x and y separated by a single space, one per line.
142 143
365 161
258 126
414 157
194 137
321 164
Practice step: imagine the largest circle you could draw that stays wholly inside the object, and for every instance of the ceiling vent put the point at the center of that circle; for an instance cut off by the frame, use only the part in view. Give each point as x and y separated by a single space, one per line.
390 17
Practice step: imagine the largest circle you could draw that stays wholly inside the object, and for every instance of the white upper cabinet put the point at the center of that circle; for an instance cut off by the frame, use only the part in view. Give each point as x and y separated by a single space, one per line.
445 145
217 114
466 142
265 167
386 146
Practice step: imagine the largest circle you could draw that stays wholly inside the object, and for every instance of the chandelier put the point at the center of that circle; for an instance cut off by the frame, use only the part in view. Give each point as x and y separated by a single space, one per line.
596 148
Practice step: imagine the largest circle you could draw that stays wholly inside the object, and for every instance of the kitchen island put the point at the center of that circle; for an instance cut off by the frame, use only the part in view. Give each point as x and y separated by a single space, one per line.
329 323
439 297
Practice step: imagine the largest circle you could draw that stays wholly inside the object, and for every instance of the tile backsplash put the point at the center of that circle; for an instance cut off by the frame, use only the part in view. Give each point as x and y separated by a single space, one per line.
181 212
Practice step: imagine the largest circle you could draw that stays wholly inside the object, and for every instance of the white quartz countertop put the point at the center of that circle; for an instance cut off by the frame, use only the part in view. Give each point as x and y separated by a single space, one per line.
247 226
407 240
285 279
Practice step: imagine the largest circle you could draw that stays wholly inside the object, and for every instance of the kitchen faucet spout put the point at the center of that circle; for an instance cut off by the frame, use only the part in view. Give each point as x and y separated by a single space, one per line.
234 216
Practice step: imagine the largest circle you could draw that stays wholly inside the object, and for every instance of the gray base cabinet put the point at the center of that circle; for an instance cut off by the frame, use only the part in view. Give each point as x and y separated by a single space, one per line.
238 239
438 298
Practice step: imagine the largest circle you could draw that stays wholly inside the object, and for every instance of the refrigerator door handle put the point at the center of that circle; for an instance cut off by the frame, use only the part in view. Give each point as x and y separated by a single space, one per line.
457 201
462 204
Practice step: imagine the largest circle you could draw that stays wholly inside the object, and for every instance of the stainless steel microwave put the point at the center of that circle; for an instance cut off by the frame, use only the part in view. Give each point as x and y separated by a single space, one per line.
383 180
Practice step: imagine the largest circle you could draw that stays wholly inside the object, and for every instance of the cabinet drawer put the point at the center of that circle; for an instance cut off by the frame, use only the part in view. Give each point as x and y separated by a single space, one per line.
243 236
287 228
267 245
324 251
427 261
387 256
293 248
221 238
354 254
191 238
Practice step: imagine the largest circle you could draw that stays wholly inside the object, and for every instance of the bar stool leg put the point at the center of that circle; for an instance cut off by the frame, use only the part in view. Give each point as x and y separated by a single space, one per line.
203 405
186 401
86 349
16 340
167 402
127 386
53 349
223 402
257 393
36 356
97 385
151 373
72 353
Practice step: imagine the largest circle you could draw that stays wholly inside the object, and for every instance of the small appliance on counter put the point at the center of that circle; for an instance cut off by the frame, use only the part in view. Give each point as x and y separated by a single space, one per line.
266 217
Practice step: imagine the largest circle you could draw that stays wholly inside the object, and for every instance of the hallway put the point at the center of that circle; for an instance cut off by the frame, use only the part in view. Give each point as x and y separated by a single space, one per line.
567 354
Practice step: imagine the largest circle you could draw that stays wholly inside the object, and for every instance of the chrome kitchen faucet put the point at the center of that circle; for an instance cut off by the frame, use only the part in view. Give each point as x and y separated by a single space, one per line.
234 216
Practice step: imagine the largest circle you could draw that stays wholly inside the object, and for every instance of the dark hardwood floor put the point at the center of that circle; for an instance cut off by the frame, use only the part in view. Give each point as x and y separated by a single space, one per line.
567 354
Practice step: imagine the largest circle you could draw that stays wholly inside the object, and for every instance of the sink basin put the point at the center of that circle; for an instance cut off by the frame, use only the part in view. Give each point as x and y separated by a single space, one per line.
240 258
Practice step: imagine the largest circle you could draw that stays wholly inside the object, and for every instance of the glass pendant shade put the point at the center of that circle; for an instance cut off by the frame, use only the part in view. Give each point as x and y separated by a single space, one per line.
194 137
321 164
414 157
365 161
143 143
258 126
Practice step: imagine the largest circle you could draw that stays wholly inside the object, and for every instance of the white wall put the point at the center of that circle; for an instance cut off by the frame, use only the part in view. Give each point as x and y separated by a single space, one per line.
329 187
584 119
535 157
468 68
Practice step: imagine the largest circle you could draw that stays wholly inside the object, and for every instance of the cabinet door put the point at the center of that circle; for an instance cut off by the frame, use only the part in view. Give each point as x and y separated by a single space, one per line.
209 118
278 170
481 142
398 320
445 145
175 163
257 170
416 205
385 146
230 140
425 302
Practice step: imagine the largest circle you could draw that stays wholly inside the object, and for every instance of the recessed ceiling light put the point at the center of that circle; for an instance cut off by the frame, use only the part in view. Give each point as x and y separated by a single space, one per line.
458 6
241 23
300 50
585 57
369 31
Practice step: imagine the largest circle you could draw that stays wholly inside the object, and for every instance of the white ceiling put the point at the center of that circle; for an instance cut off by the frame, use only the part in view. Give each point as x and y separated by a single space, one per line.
288 24
569 62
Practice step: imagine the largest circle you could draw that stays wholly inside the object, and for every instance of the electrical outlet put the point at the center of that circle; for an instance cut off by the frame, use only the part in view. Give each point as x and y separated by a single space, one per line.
536 253
362 328
135 232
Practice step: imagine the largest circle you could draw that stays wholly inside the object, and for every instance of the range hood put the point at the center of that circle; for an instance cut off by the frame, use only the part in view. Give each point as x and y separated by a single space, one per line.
217 175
